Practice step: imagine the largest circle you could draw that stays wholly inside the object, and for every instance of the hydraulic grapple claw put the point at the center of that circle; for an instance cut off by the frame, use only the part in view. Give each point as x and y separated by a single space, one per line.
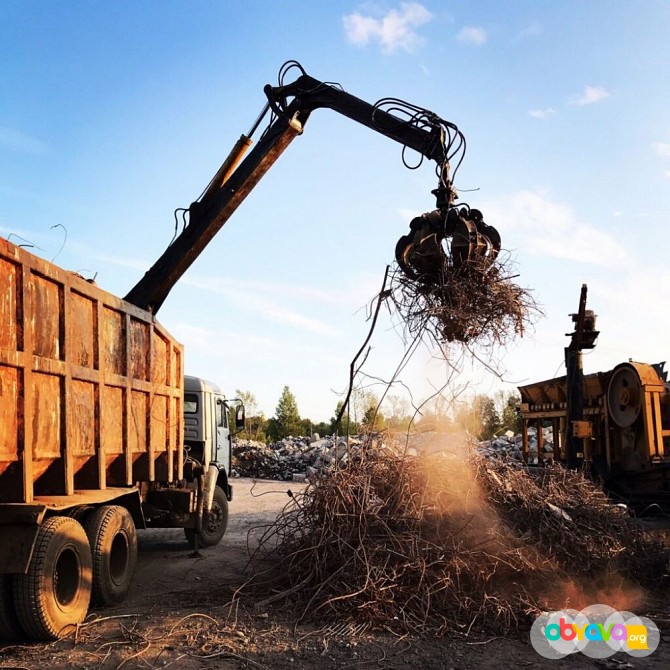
439 240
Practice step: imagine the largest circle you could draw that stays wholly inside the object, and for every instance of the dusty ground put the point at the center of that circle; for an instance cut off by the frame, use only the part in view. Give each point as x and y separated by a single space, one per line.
178 616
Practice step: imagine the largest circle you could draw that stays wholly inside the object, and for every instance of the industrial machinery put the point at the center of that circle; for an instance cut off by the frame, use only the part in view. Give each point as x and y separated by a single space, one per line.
93 396
614 423
421 254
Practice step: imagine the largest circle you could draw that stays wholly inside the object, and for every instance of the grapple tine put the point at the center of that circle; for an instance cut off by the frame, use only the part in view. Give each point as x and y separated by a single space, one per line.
422 256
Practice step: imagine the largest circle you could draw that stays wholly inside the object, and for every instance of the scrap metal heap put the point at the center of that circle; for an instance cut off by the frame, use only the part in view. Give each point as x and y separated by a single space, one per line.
431 544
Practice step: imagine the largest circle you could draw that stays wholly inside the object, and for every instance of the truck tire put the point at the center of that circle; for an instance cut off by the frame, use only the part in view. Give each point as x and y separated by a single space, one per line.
10 628
55 593
81 513
214 523
113 539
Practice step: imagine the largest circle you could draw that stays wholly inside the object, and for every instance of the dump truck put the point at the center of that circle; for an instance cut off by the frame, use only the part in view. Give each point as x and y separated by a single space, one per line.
100 432
93 401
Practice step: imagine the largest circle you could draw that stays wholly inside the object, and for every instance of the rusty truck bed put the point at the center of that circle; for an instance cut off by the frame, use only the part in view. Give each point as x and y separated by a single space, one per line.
90 386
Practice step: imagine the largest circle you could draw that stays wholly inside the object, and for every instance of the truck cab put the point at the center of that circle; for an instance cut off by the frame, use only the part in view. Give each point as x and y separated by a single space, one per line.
207 434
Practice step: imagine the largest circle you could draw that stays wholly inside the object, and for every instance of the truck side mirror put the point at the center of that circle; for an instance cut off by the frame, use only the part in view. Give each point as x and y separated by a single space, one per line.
239 417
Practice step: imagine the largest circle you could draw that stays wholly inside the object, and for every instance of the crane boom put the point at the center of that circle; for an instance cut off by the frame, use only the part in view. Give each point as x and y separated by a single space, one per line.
290 107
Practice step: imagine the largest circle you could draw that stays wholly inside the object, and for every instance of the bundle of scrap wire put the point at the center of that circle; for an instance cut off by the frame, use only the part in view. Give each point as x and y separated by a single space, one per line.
464 304
369 543
411 545
567 516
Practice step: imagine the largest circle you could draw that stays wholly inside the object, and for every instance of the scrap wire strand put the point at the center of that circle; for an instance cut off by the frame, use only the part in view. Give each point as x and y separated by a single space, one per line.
352 366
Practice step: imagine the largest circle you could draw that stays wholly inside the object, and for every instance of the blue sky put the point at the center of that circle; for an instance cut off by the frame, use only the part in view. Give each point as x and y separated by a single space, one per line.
114 114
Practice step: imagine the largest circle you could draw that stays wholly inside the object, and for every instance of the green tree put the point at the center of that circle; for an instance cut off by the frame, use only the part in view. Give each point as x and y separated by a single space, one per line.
346 425
250 411
272 429
373 420
322 428
306 427
434 415
287 415
510 419
257 427
397 413
479 417
485 407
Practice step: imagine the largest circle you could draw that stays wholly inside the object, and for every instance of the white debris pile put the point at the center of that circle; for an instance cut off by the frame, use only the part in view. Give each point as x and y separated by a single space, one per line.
301 458
293 458
508 445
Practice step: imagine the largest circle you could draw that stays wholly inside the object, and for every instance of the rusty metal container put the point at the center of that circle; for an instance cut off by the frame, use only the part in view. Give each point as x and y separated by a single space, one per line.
91 386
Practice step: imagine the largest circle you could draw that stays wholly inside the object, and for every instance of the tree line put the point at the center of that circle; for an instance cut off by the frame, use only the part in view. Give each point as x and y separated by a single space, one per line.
483 416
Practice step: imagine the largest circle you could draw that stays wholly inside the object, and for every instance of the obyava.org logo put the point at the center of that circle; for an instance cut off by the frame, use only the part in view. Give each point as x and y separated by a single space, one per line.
598 631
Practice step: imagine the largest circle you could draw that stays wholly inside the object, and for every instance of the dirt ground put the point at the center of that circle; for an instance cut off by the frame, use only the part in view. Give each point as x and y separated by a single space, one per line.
178 616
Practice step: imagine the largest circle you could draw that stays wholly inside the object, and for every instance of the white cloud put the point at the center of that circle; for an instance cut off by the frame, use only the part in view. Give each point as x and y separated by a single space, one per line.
229 285
590 95
395 30
15 139
207 341
542 113
133 263
534 29
253 302
550 228
630 299
662 149
472 35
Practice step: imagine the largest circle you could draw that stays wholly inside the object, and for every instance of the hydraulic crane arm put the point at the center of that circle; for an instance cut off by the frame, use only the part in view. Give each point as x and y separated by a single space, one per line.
309 94
290 107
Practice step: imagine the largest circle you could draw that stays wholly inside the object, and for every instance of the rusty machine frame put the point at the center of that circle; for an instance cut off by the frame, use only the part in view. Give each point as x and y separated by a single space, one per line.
615 424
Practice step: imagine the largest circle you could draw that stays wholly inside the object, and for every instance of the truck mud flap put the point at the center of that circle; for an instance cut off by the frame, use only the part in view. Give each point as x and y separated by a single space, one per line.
16 547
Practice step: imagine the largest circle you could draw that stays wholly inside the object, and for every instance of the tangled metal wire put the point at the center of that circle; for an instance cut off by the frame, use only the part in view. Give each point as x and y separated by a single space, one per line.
417 545
468 304
569 517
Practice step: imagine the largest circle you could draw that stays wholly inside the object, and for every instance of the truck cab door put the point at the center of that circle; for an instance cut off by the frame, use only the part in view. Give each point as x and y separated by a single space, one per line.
223 445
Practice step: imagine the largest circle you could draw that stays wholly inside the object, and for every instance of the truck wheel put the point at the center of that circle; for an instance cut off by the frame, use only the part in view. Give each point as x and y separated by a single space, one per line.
55 592
214 523
10 629
113 538
81 513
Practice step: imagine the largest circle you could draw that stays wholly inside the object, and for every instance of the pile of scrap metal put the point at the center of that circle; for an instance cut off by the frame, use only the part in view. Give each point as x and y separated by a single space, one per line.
430 544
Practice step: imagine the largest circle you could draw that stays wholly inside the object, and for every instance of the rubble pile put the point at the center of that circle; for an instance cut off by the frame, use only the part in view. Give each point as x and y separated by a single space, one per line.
509 444
433 543
293 458
299 458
